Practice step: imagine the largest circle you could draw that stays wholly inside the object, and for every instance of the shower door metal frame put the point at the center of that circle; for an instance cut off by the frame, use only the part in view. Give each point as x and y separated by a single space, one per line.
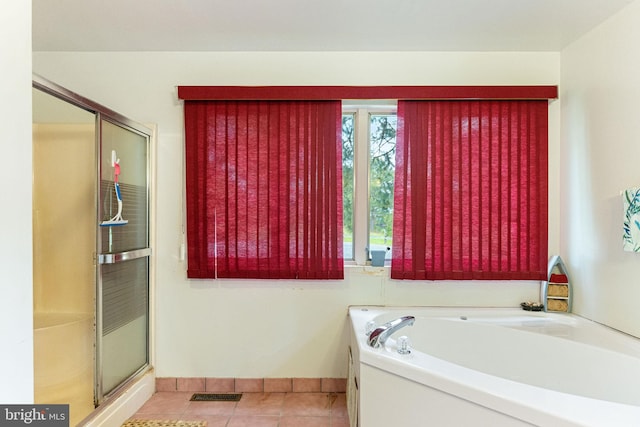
114 258
103 113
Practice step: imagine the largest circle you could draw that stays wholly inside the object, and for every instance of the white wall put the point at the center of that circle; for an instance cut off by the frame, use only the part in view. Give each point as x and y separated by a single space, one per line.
242 328
600 92
16 305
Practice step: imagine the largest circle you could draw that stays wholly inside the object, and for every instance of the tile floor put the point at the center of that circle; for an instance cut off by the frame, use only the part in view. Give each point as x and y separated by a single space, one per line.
253 409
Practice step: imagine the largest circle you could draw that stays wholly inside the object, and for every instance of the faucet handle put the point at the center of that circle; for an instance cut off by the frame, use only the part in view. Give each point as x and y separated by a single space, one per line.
369 327
404 345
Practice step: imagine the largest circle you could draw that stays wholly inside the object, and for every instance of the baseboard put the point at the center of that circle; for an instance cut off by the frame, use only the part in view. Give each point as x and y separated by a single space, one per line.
252 385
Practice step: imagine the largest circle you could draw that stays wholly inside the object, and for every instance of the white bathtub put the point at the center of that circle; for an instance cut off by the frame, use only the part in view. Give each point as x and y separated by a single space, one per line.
493 367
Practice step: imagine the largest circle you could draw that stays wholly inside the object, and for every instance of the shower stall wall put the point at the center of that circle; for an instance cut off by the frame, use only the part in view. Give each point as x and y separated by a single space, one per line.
91 274
63 268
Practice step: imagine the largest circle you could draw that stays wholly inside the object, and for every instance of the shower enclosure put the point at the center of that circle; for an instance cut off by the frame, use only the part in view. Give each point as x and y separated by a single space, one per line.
91 273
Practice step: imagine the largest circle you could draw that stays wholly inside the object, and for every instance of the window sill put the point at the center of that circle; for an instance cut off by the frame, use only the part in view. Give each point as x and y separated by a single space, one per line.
351 266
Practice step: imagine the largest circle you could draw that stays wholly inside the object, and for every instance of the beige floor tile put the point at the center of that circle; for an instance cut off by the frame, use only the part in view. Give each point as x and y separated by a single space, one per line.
166 402
307 404
338 405
216 420
253 409
253 421
210 408
338 422
260 404
300 421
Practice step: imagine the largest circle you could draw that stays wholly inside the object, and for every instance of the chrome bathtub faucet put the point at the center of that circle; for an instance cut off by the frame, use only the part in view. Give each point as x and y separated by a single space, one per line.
379 336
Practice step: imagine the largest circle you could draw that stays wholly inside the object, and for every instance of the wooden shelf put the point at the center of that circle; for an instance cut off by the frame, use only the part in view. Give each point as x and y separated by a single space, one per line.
557 290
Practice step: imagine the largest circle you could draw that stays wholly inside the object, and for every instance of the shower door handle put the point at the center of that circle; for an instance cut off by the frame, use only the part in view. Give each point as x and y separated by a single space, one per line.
123 256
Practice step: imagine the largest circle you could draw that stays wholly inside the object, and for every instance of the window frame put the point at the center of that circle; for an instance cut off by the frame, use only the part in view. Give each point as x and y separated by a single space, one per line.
362 173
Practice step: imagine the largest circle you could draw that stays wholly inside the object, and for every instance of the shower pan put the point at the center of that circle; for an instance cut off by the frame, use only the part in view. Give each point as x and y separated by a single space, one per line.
92 250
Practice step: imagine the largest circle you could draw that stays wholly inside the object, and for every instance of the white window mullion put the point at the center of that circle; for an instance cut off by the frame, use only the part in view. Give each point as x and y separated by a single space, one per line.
361 187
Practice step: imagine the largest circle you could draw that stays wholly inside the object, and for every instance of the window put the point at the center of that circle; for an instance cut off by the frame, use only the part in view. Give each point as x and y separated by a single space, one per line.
477 180
445 171
348 168
368 166
382 164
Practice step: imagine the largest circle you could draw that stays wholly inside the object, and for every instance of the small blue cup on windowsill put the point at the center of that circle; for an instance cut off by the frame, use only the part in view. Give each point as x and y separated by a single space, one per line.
377 257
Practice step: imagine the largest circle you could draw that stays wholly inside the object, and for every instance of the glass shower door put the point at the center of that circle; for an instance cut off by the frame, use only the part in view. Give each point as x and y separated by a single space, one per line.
123 261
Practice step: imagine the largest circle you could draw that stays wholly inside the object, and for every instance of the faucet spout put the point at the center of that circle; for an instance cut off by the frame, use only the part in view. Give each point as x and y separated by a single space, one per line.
379 336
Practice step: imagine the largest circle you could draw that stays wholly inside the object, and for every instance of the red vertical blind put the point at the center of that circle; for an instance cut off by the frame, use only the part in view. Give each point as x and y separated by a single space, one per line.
470 197
264 189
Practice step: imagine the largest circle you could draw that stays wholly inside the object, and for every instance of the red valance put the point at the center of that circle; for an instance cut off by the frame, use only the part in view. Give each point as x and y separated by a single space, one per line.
210 93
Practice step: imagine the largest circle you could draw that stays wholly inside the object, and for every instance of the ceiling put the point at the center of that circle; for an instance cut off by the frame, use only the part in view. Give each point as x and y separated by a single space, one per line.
315 25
